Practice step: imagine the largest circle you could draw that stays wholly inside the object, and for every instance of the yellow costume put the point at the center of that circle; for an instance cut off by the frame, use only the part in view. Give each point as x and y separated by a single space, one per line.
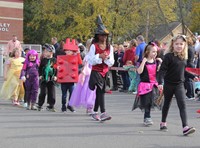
13 87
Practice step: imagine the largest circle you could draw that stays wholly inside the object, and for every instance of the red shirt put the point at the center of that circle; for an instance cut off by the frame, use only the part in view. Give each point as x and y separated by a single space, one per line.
101 68
129 55
80 61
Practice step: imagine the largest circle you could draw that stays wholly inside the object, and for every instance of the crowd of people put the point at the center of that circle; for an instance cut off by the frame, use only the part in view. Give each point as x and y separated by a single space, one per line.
147 70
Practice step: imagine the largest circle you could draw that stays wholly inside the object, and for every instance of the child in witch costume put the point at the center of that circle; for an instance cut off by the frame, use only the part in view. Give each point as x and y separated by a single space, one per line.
47 75
101 58
30 76
148 86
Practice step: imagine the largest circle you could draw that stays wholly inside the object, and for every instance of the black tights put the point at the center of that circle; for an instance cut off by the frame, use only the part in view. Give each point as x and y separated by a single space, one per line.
179 91
47 88
100 97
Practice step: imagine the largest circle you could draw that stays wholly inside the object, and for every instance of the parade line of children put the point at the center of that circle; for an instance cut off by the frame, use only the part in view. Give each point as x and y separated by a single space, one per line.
156 76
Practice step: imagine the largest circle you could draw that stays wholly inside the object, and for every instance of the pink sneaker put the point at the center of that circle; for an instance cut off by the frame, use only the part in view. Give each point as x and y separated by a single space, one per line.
188 130
104 116
96 117
16 102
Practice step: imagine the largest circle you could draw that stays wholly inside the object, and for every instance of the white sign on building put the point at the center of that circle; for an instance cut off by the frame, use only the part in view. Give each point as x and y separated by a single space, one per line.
4 27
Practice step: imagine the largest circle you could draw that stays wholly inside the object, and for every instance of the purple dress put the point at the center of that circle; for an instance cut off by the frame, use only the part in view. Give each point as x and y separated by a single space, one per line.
32 82
82 95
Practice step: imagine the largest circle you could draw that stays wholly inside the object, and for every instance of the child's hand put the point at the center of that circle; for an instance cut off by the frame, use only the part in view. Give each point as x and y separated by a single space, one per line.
144 60
55 78
160 87
159 59
23 78
196 79
134 69
102 55
107 55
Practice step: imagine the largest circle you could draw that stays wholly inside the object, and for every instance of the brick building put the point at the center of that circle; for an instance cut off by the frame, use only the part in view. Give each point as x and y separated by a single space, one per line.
11 20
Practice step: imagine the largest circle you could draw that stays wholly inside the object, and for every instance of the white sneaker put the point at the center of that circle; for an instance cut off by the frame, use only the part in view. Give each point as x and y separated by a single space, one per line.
148 121
104 116
96 117
25 105
135 92
190 98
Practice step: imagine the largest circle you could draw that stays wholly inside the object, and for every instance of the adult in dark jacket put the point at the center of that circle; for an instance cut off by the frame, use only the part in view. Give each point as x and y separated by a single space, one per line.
114 72
55 44
190 63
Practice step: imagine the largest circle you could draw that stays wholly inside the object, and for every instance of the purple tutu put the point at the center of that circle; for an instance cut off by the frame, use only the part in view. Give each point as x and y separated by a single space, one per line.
82 95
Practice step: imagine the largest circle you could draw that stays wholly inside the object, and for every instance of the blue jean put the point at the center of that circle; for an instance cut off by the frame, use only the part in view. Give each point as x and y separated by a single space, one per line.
189 87
64 88
137 80
126 80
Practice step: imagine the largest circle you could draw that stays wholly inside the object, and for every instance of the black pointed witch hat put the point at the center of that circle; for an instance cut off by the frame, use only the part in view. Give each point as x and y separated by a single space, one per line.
101 29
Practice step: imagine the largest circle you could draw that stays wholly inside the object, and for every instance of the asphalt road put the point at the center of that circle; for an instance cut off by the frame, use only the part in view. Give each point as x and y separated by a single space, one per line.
21 128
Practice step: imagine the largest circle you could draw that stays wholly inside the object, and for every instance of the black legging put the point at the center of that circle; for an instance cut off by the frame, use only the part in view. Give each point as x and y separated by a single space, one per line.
114 76
179 91
100 97
47 88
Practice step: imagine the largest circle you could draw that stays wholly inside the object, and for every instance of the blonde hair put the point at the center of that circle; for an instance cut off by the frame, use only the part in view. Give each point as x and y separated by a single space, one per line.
12 54
133 43
190 41
88 44
121 47
184 54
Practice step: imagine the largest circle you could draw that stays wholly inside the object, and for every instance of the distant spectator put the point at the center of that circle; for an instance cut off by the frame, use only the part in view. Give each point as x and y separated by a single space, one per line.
160 52
60 51
26 50
82 49
124 74
139 54
12 44
121 54
197 50
114 72
139 48
190 63
55 43
197 44
129 54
